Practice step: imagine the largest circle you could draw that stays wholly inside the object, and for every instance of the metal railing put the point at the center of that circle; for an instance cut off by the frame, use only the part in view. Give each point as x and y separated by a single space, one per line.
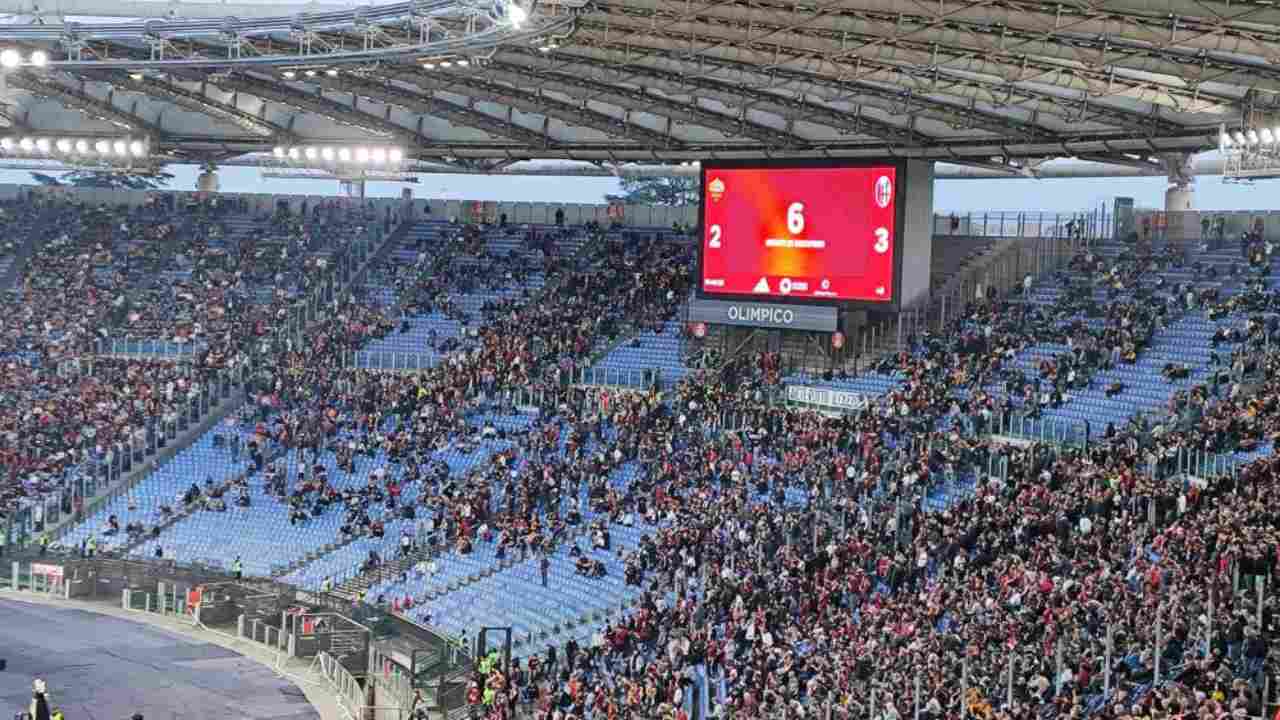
1024 224
635 379
80 491
159 349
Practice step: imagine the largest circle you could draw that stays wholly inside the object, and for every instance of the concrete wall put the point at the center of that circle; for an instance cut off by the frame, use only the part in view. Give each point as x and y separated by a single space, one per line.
517 212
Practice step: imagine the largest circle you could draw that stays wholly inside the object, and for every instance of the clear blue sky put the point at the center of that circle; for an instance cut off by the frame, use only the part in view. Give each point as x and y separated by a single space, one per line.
1067 195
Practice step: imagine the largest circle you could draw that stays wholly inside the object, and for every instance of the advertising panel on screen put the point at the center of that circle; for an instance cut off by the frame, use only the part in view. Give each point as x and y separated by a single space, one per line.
801 233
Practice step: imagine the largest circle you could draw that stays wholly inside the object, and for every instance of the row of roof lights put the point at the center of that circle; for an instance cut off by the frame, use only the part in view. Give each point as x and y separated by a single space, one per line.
73 146
10 58
361 155
310 72
1248 138
446 63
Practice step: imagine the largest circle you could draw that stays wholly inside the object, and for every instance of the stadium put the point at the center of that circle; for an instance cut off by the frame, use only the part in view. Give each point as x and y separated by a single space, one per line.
771 438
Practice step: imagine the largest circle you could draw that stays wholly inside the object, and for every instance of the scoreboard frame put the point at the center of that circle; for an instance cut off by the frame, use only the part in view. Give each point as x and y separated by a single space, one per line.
893 304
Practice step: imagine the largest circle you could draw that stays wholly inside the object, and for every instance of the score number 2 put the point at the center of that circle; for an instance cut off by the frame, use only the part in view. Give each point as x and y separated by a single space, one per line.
714 231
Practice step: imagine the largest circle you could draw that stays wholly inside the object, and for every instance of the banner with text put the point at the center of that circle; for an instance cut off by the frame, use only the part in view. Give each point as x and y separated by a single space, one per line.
845 400
764 315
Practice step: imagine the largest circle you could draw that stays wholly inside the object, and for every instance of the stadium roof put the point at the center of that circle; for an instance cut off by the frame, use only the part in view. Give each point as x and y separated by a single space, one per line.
994 83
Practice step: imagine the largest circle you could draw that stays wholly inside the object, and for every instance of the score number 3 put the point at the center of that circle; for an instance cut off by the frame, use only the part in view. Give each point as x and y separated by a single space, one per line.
881 245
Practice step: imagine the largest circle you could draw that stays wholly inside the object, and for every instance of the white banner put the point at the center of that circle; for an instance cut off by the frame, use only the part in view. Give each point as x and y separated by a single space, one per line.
826 397
50 571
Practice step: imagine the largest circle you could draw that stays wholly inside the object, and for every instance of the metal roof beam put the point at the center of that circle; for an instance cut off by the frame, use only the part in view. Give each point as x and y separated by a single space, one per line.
565 72
858 74
199 101
1233 28
931 61
942 42
621 63
79 98
318 103
384 92
982 149
532 103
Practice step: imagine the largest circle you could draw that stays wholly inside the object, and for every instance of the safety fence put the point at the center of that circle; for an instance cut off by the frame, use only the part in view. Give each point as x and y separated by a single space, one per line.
84 488
633 378
1024 224
1214 228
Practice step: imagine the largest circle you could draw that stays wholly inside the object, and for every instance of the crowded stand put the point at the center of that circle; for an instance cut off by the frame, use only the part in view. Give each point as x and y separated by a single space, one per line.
691 548
74 419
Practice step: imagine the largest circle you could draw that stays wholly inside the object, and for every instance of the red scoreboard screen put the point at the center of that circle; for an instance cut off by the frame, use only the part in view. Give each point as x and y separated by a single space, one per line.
816 233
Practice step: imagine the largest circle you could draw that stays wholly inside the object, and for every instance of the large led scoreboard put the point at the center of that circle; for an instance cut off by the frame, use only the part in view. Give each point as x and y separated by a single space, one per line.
815 233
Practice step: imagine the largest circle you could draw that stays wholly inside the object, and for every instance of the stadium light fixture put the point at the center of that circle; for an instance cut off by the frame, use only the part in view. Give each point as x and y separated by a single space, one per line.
1238 137
289 74
463 63
11 58
51 146
331 72
1266 136
1253 136
428 66
446 64
516 15
367 155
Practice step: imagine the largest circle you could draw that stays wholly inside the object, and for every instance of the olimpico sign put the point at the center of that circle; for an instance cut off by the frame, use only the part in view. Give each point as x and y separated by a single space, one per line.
768 315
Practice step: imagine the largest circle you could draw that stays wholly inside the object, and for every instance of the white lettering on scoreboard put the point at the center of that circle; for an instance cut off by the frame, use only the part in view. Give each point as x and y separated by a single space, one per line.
826 397
770 314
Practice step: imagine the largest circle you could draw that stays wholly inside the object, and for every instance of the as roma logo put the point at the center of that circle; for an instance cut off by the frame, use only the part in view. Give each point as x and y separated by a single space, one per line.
715 189
884 191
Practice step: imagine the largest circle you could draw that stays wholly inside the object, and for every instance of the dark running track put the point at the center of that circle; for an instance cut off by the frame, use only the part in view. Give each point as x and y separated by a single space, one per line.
105 668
